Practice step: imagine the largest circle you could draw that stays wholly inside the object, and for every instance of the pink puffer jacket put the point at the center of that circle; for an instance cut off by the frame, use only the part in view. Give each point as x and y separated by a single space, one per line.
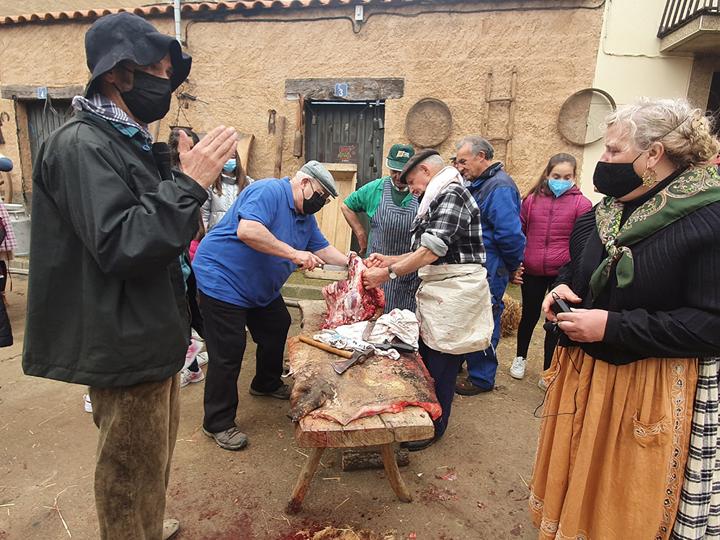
547 222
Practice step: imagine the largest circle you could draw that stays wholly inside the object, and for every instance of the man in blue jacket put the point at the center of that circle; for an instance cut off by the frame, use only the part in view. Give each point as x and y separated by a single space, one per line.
499 200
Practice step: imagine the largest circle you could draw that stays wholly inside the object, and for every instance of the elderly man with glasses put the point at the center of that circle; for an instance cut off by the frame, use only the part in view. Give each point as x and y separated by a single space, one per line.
240 267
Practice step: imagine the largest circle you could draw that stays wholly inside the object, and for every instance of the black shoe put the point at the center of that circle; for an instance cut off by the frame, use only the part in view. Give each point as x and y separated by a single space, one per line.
467 388
415 446
283 392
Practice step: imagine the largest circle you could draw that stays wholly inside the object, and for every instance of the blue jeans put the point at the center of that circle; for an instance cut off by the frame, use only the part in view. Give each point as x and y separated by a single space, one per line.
482 365
443 368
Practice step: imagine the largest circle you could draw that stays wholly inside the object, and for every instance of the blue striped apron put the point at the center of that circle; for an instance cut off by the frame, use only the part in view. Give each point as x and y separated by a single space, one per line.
390 235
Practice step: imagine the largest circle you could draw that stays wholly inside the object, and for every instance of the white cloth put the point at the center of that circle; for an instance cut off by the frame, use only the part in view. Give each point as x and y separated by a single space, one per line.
447 176
454 308
399 323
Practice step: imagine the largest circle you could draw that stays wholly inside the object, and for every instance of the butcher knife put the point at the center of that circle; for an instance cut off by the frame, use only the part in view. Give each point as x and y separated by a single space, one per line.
400 347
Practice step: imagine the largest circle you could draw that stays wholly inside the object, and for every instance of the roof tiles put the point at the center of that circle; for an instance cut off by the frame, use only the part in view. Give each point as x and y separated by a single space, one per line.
192 9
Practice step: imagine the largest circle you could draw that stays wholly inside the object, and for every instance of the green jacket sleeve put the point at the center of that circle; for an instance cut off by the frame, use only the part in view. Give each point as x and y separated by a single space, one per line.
126 233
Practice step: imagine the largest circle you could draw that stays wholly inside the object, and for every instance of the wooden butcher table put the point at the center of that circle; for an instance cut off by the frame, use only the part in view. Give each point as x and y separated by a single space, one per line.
385 429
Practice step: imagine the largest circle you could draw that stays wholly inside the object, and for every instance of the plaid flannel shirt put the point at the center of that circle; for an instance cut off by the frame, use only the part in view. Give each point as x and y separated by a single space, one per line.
105 108
454 220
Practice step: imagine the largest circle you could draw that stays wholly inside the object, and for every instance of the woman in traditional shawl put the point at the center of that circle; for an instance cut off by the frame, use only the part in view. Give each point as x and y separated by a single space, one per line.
629 436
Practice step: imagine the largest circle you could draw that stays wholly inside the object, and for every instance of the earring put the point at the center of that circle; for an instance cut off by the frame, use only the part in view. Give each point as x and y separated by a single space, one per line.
649 177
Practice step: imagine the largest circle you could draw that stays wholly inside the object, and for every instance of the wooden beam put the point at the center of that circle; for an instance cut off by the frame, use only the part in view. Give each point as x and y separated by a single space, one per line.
26 91
358 89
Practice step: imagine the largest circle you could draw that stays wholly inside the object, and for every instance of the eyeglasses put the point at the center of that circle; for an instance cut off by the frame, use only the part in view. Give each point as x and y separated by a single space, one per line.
322 192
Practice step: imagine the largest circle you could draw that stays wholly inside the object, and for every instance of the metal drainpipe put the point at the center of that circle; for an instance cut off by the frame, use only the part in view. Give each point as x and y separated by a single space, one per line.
177 21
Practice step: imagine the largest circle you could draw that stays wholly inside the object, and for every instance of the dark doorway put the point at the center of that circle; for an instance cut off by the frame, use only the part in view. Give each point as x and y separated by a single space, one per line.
347 132
44 117
713 105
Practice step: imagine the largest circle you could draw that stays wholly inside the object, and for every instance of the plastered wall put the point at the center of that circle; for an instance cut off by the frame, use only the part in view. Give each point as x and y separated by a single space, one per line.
629 65
240 68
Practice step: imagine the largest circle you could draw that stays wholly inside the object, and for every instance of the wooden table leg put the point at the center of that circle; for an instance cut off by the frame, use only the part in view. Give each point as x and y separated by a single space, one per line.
393 473
303 482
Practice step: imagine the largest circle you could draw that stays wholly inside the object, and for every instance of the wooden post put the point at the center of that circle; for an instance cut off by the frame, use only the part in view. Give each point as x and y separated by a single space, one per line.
298 140
393 473
303 482
279 132
511 119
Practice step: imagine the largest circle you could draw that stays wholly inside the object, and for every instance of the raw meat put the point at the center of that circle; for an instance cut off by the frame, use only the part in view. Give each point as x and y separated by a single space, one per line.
348 301
379 385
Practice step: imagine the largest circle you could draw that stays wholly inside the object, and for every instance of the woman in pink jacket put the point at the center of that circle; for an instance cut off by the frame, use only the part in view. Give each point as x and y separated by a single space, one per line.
548 214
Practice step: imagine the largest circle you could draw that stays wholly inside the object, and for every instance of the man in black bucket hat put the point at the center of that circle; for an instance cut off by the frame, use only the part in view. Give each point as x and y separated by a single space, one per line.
106 297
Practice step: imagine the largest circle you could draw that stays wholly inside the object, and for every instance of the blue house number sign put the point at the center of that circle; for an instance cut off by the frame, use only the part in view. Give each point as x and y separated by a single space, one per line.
341 89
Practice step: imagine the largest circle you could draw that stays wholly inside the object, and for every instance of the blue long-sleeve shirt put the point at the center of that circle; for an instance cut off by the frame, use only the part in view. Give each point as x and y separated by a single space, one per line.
499 202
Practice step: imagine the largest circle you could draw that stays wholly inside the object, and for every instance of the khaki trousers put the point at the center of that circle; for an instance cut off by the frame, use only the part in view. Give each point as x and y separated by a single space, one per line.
138 428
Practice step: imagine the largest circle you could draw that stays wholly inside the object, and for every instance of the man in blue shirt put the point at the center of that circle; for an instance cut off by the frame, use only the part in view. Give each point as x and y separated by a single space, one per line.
240 267
499 200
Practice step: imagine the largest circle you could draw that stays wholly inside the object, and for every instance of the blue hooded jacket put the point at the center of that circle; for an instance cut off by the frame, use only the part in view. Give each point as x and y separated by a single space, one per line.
499 200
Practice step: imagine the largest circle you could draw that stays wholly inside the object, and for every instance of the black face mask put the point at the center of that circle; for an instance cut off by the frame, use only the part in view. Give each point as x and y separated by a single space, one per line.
616 179
149 98
313 204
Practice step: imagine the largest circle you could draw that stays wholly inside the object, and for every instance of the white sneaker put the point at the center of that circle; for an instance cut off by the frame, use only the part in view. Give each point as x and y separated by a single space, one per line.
88 403
202 358
542 385
192 351
517 369
187 376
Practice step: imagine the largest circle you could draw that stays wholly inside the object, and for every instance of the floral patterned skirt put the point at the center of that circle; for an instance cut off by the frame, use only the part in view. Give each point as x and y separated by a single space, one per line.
613 447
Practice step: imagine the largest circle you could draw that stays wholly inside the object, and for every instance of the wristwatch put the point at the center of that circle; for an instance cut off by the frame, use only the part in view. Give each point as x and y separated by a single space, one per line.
392 273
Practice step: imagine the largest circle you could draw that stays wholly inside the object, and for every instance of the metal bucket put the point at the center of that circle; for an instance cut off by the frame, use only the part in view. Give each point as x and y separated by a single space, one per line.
20 222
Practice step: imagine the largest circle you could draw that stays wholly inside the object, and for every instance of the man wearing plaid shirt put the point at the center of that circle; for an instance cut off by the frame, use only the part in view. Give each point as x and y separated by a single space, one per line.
447 247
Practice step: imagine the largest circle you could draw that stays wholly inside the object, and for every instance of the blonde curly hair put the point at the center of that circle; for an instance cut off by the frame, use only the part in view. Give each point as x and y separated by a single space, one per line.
684 131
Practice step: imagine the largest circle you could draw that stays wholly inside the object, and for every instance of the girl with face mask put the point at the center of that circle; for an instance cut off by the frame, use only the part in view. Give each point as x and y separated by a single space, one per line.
222 194
548 213
629 442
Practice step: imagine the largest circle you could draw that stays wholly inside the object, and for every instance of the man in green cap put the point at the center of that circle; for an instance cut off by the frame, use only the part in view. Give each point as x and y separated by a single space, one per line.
391 208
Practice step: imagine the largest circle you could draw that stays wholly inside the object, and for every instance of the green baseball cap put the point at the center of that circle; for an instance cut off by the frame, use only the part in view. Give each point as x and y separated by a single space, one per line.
399 155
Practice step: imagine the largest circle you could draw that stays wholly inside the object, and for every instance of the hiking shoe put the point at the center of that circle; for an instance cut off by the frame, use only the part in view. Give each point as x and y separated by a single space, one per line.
517 369
202 358
170 528
467 388
187 376
87 403
283 392
230 439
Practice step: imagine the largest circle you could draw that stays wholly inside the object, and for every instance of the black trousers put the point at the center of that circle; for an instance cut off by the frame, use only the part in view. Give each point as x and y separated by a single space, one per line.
443 368
534 289
225 339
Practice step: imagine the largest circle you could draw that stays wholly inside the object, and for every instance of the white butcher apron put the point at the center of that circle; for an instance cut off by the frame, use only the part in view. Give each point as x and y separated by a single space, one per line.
454 308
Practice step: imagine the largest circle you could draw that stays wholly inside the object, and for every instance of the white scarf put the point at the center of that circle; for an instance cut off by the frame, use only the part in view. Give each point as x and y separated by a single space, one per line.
447 176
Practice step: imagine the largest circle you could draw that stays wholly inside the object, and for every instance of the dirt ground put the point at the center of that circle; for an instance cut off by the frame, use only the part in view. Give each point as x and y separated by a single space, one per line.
470 485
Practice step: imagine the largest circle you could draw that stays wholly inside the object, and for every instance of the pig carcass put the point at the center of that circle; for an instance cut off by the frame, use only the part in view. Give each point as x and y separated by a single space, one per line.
348 301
